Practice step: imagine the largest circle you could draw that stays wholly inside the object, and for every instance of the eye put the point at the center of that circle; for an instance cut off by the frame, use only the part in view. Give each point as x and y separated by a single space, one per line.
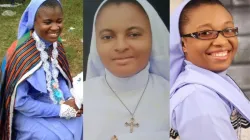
208 33
106 37
230 32
47 22
134 35
205 32
60 21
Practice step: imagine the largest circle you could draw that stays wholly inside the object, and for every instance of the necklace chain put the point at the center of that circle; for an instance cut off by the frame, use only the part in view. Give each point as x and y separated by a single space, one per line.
132 114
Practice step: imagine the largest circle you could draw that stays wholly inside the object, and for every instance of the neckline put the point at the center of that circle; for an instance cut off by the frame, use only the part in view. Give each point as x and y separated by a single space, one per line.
135 82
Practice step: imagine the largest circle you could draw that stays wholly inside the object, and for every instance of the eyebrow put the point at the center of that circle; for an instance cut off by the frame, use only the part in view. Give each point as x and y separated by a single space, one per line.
135 27
229 22
130 28
48 19
105 30
204 25
210 25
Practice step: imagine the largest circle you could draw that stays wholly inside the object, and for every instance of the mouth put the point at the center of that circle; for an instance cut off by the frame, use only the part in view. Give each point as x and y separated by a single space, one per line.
53 35
123 60
221 55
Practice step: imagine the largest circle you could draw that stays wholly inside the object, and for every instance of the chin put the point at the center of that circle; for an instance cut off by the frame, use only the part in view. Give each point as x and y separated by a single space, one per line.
54 40
219 68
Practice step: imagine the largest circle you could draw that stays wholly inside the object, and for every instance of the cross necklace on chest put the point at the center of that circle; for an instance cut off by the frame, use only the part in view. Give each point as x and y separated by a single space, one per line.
132 122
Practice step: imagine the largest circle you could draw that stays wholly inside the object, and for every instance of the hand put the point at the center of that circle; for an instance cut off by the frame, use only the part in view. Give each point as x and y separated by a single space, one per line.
67 111
71 103
80 112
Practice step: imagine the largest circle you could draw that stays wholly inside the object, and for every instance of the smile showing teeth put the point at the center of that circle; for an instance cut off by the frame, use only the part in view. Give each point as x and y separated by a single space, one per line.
53 35
220 54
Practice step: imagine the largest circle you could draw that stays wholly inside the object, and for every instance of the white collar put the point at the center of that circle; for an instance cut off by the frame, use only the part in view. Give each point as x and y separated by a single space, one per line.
134 82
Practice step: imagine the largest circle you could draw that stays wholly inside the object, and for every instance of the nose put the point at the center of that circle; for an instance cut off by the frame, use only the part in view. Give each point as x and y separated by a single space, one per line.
220 40
121 45
54 27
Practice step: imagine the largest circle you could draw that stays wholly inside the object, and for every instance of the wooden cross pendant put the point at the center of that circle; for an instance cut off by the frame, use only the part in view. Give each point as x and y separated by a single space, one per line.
114 138
132 124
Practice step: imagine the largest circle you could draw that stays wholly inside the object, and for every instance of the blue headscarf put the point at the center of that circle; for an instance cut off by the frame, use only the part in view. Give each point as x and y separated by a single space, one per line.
27 20
177 55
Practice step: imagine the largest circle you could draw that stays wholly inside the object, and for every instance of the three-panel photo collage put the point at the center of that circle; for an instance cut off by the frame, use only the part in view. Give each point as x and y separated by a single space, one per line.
125 70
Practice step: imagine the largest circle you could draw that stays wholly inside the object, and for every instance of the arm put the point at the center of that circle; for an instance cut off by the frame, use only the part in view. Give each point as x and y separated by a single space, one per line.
203 115
64 88
33 108
67 95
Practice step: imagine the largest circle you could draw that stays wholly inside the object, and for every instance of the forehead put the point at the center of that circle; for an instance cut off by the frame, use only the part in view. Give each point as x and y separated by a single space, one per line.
121 15
210 14
48 12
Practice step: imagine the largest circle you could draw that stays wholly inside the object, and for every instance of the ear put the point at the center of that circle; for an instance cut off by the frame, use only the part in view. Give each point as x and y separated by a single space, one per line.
184 46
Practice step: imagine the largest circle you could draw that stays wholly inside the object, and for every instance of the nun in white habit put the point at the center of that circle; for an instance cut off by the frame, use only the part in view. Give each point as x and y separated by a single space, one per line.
126 94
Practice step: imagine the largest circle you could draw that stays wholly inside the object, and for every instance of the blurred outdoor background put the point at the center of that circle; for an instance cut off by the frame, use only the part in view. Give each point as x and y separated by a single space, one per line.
72 34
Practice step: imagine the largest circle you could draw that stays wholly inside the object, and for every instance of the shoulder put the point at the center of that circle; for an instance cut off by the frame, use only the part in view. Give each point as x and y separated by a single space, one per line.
200 101
11 49
93 80
160 81
202 110
17 44
95 88
198 94
93 83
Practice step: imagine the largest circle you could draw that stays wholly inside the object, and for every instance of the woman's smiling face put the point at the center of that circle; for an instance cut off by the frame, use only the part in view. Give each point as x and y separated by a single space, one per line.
213 54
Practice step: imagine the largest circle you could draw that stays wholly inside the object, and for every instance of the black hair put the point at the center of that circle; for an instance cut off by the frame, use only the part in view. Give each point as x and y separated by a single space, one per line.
192 5
50 4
